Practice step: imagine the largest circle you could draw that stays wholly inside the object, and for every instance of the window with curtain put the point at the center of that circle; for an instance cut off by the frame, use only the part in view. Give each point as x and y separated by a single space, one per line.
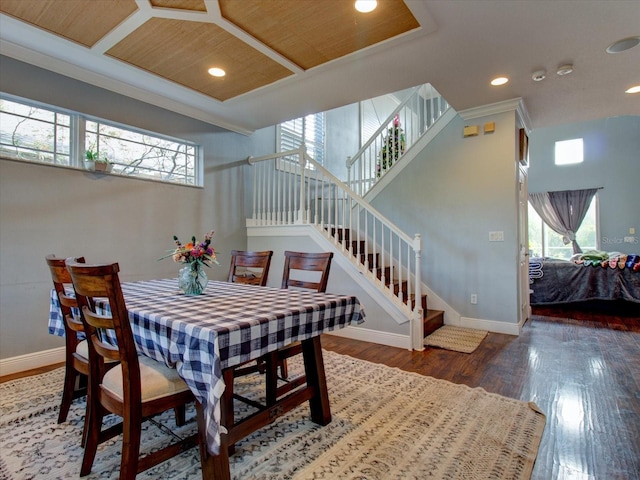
309 129
36 132
544 242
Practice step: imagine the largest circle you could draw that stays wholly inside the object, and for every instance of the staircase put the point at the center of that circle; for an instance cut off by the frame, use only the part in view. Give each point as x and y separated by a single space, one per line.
290 188
432 319
407 124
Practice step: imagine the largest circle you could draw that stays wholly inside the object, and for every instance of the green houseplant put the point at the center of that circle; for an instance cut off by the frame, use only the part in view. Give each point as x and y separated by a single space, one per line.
94 162
392 147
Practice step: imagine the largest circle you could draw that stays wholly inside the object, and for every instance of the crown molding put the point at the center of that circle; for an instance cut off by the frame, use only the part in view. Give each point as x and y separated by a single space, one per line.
513 105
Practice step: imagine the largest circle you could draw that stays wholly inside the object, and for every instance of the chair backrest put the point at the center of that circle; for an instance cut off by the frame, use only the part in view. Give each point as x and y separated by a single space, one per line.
309 262
250 267
60 277
93 285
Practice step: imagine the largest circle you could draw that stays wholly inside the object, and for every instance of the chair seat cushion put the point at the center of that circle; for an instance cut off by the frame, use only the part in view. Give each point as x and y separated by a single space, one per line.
157 380
82 349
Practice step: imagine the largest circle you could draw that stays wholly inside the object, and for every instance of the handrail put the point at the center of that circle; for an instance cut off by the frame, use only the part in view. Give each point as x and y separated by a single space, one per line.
292 188
408 122
382 128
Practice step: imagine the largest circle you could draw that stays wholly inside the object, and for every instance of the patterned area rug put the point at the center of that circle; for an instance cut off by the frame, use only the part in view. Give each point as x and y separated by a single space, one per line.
387 424
458 339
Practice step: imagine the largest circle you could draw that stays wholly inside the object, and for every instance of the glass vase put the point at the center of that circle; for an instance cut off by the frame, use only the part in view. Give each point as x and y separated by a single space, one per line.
192 279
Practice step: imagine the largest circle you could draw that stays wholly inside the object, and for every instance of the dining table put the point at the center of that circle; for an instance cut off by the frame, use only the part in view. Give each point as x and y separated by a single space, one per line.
205 336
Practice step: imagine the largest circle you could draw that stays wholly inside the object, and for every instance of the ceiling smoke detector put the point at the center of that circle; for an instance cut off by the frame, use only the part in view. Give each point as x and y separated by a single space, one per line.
565 69
539 75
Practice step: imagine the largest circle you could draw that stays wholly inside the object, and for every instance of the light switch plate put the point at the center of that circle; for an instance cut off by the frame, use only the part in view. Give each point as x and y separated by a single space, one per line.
496 236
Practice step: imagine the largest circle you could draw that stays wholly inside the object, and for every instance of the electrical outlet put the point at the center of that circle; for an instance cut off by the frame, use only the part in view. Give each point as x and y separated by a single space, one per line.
474 299
632 231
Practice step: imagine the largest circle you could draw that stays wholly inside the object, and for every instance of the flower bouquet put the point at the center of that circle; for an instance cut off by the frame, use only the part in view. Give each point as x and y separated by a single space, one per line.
192 278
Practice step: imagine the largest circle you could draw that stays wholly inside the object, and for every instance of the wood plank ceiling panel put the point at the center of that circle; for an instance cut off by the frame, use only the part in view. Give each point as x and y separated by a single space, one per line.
183 51
78 20
310 33
195 5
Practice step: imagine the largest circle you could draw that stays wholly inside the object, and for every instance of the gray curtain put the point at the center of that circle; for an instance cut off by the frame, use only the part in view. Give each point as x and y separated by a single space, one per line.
563 211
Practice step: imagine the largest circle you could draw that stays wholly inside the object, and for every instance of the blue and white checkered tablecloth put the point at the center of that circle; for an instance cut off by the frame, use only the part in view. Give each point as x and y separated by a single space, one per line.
227 325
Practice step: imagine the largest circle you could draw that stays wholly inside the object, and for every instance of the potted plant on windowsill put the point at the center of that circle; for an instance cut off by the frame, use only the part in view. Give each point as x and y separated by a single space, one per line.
95 163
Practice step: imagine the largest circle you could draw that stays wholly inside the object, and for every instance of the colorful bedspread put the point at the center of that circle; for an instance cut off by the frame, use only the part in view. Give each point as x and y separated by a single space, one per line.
595 258
562 281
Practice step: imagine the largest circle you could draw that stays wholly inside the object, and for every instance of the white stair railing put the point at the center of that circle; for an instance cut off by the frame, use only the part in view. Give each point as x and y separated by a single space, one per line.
402 129
291 188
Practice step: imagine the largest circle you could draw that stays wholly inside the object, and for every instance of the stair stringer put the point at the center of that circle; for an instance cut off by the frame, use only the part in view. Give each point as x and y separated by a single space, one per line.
365 279
411 153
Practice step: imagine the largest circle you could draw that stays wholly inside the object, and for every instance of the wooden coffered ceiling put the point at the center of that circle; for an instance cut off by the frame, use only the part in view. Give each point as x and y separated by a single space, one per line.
288 58
257 42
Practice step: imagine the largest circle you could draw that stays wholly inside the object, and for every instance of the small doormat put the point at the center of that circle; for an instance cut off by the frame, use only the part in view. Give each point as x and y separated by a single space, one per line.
458 339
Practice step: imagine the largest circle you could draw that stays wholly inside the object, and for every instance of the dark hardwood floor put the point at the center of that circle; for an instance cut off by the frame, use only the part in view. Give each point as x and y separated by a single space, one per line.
581 366
582 369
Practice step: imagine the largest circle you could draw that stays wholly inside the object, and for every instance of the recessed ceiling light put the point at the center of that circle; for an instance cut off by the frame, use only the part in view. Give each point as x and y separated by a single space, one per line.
565 69
366 6
499 81
624 44
634 89
216 72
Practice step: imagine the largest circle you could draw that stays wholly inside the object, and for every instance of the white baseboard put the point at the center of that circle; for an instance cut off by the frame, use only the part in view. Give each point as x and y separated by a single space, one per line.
56 355
31 360
374 336
490 325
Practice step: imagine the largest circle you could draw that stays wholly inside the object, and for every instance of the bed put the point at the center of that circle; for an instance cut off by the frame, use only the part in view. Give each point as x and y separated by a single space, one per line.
610 277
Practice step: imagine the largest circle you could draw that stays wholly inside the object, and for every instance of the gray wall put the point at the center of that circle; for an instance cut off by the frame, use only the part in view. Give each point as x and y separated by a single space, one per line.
611 161
342 138
106 218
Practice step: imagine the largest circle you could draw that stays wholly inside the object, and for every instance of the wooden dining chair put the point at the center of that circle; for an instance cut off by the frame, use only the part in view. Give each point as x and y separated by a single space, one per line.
299 268
76 367
319 265
306 262
138 387
250 267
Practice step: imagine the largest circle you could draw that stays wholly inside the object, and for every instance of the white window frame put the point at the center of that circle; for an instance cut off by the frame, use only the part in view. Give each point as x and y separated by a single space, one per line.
77 147
294 142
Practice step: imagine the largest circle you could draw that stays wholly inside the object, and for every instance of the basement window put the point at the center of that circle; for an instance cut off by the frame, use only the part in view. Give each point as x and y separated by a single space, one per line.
569 152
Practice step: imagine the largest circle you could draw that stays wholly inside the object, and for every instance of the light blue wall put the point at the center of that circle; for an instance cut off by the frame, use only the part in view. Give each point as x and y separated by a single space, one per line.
454 193
611 161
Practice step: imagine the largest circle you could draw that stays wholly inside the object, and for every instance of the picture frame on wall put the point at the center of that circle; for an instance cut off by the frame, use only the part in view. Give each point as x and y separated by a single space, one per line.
523 144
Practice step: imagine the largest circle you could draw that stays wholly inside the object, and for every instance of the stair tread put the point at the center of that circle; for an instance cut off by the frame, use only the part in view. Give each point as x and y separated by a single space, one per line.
431 314
433 319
